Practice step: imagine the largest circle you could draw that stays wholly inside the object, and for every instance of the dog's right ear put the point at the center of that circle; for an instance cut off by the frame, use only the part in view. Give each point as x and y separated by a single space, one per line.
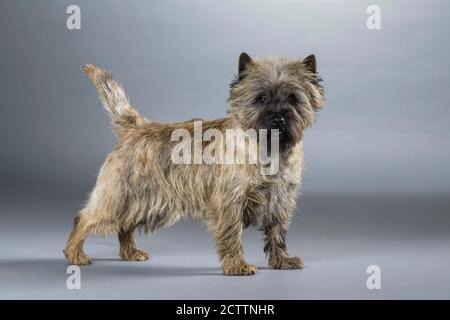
310 63
244 61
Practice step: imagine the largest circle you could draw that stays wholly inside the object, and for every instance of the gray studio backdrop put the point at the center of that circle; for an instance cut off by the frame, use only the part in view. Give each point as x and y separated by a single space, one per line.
377 181
384 130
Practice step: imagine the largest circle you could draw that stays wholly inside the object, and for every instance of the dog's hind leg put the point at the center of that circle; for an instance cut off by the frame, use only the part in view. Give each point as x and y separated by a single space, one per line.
128 249
73 252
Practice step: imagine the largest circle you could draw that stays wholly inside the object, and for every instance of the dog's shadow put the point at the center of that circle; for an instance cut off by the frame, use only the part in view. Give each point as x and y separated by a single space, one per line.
147 268
47 268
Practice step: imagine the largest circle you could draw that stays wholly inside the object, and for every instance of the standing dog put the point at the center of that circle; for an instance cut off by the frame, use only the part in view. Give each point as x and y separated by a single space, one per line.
140 186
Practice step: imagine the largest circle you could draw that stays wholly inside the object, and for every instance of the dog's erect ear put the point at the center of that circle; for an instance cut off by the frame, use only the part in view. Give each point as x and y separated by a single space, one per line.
244 60
310 63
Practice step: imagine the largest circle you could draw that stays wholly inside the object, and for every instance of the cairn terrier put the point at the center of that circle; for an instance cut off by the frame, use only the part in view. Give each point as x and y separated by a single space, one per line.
139 185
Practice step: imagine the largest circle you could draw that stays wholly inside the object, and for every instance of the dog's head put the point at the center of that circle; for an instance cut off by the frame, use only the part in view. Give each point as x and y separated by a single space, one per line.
276 93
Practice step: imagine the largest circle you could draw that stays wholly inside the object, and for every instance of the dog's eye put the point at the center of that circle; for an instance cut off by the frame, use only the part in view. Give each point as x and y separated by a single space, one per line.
292 99
262 98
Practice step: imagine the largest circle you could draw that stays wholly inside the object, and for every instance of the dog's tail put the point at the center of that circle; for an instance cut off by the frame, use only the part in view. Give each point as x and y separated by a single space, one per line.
123 116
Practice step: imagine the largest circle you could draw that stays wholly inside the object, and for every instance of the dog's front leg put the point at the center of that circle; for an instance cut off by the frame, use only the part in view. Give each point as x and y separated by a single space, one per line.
227 232
275 230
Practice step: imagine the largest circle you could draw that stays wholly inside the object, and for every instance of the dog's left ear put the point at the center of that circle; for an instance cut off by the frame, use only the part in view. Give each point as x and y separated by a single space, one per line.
310 63
244 61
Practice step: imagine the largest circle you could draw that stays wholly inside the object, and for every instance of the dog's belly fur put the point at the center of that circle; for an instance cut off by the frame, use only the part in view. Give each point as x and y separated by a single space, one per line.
134 189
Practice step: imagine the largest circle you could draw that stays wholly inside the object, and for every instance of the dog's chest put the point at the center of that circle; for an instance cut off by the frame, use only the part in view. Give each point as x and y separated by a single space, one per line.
267 194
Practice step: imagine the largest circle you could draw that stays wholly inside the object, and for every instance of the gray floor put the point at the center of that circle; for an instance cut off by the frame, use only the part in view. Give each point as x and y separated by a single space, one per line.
338 237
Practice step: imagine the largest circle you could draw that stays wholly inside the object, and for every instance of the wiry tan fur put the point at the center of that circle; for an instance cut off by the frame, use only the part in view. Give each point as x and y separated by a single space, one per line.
139 186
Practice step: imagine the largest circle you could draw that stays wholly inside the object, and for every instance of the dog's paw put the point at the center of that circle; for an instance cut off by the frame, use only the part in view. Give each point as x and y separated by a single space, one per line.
79 259
288 263
241 268
135 255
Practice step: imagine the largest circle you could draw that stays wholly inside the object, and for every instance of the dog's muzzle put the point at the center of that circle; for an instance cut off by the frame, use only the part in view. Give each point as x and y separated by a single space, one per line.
277 121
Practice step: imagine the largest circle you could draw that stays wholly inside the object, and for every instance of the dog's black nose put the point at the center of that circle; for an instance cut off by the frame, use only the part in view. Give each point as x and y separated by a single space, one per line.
278 122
